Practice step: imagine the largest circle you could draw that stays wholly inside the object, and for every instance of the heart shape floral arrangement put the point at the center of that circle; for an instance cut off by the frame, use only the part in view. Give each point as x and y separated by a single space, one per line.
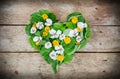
57 41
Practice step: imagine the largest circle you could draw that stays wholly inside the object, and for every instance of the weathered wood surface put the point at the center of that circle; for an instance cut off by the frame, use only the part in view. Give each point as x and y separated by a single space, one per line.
104 39
17 61
97 12
83 66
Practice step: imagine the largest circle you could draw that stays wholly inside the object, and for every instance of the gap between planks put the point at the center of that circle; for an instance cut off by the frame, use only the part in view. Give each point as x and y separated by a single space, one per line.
103 40
26 24
75 52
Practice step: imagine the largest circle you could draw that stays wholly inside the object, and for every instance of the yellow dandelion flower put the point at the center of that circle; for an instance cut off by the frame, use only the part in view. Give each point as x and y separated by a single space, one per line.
44 16
47 28
55 43
45 33
67 40
37 43
74 20
60 57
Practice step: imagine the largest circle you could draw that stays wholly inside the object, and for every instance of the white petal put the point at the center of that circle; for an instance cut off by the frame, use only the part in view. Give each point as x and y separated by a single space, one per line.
52 31
75 32
40 25
56 35
80 24
58 52
48 45
36 38
71 33
56 47
59 32
48 22
53 55
78 39
33 30
62 36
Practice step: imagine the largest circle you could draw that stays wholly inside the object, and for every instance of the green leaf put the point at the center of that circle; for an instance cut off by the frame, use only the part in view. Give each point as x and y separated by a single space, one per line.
45 54
68 58
88 32
27 30
73 14
81 19
44 51
43 11
66 32
36 18
53 17
42 42
38 33
54 66
59 26
32 43
70 25
82 44
70 51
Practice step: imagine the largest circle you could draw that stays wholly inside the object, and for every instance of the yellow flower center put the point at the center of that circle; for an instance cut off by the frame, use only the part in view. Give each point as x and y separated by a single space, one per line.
47 28
67 40
55 43
79 29
34 24
60 57
77 43
74 20
44 16
38 43
45 33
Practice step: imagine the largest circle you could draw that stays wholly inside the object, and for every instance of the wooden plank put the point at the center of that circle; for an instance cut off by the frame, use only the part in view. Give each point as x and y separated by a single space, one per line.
83 66
97 12
104 39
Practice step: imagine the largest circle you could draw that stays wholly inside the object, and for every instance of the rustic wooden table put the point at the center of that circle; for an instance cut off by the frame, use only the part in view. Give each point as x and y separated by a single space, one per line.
98 60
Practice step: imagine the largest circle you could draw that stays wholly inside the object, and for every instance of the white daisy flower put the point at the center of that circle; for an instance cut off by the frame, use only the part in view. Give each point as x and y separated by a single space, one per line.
53 55
37 38
78 39
73 33
40 25
59 49
48 22
82 25
62 36
33 30
48 45
54 33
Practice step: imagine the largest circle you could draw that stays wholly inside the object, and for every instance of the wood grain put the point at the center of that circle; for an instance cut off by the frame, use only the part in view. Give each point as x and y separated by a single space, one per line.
83 66
104 39
97 12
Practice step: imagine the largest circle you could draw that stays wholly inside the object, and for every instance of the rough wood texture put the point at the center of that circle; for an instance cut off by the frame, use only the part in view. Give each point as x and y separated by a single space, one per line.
97 12
17 61
104 39
83 66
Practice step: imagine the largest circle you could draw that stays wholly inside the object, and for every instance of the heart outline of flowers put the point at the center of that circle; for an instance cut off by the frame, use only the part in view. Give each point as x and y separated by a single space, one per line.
57 41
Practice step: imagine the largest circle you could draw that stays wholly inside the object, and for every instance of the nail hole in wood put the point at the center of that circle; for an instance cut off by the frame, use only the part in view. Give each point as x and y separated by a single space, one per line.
101 32
16 72
104 71
100 43
97 18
